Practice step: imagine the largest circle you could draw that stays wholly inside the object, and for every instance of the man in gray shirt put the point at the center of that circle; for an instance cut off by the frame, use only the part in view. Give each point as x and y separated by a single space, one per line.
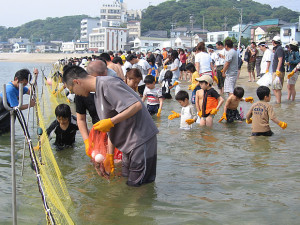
127 121
230 70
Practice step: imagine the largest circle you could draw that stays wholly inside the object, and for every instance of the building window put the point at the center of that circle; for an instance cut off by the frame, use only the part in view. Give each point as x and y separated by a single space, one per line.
212 38
146 44
287 32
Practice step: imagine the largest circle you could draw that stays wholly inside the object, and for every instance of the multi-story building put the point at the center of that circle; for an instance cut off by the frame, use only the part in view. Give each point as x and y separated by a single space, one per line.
134 14
245 31
105 39
114 11
144 44
134 29
259 31
290 32
213 37
86 28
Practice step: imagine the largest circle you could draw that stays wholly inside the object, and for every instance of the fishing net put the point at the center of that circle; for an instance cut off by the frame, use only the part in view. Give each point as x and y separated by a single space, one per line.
98 145
55 189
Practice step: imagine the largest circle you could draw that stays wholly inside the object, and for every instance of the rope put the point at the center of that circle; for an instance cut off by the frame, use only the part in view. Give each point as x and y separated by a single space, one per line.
21 119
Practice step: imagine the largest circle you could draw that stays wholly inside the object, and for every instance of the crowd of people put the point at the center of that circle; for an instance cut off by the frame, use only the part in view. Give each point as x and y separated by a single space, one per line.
112 88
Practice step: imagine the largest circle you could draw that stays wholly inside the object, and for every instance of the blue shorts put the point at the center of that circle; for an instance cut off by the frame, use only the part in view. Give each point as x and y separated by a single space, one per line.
152 109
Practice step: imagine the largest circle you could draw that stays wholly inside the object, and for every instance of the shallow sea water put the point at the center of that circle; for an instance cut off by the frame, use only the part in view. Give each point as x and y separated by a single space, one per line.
204 176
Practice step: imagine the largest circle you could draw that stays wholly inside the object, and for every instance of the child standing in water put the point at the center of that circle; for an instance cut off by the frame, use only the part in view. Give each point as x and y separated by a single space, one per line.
230 109
133 78
153 95
208 101
188 113
191 69
64 127
261 112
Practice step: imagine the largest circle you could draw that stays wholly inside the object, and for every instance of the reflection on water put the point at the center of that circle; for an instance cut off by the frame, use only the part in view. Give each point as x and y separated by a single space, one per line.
204 176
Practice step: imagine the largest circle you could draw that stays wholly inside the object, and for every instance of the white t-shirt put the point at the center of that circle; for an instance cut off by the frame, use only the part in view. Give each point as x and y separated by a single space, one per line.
220 61
125 66
152 95
187 112
267 57
176 73
204 59
144 67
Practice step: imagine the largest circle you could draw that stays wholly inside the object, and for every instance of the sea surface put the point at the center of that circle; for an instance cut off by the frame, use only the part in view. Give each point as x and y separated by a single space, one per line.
216 175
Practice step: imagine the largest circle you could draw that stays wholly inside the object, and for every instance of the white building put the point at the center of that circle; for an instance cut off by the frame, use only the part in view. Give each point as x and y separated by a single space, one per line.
114 11
134 14
213 37
86 28
134 29
81 46
23 47
67 47
144 44
105 39
290 32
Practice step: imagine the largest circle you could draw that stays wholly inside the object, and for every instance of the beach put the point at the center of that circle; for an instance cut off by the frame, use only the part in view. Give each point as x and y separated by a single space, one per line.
38 57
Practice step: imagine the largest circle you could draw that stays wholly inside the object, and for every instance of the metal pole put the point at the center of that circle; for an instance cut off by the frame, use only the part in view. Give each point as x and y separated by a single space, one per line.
12 152
13 168
240 34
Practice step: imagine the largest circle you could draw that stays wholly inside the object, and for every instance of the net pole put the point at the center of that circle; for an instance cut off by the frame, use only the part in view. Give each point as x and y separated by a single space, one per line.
12 149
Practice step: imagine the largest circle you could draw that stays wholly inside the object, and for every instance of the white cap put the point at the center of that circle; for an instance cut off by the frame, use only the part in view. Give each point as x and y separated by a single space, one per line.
294 43
276 38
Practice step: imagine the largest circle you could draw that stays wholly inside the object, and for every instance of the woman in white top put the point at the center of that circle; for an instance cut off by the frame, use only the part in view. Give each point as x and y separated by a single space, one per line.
203 62
174 66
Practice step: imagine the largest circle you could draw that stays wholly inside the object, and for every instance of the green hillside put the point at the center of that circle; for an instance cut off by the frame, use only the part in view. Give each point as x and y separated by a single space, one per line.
64 29
215 13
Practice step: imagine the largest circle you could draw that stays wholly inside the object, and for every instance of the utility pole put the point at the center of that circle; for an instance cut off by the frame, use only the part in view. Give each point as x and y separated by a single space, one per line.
203 24
173 24
192 21
225 23
241 24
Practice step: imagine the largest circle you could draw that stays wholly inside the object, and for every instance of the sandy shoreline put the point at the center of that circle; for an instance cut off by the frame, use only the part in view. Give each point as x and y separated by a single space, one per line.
37 57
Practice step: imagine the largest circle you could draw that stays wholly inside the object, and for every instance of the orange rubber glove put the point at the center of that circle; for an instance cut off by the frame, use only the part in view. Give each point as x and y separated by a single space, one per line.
109 164
104 125
249 121
158 113
174 115
214 111
190 121
175 83
215 79
283 125
223 117
87 146
291 74
200 114
249 99
278 73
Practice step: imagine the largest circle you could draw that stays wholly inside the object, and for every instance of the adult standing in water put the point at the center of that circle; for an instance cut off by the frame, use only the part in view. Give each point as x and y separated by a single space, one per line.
126 119
12 94
292 60
278 67
175 64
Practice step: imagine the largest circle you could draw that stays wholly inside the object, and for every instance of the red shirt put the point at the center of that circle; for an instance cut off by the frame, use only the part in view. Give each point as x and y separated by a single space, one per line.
182 58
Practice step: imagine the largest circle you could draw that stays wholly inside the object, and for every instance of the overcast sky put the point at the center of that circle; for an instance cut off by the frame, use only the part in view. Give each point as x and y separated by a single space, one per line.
17 12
